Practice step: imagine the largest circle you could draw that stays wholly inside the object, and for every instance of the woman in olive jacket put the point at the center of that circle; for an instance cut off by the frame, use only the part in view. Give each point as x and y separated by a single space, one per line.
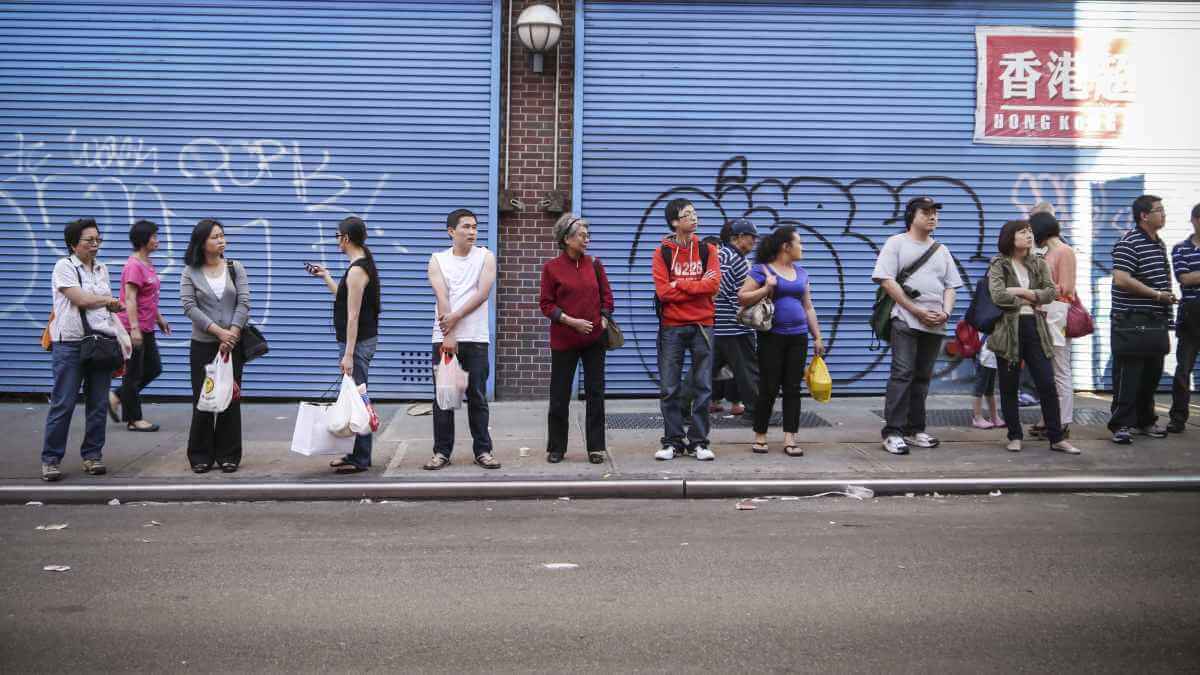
1019 283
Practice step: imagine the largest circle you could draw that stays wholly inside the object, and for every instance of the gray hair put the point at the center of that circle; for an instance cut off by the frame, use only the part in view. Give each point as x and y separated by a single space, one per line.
567 225
1042 207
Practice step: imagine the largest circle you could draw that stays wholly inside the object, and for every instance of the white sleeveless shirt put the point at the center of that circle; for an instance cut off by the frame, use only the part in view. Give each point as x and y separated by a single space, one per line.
462 278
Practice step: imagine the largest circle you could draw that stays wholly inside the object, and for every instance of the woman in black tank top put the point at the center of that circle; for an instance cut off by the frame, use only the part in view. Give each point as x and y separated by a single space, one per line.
355 320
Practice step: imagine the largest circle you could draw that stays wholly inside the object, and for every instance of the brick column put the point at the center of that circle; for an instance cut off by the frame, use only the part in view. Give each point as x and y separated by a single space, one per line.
526 239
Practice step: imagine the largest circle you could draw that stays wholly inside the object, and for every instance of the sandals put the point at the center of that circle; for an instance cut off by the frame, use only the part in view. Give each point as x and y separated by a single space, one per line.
436 462
793 451
344 465
596 456
760 448
486 460
132 426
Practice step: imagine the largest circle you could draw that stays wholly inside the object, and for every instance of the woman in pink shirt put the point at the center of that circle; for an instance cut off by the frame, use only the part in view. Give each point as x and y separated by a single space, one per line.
139 294
1060 257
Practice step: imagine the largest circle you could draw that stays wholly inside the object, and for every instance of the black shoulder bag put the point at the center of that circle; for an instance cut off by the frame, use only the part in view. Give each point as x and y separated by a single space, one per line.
96 350
254 344
881 311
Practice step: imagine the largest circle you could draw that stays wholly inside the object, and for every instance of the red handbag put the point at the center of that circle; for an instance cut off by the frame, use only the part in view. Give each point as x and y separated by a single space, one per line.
1079 322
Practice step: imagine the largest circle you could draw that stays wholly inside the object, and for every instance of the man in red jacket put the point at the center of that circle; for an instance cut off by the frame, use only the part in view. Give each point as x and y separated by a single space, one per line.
686 276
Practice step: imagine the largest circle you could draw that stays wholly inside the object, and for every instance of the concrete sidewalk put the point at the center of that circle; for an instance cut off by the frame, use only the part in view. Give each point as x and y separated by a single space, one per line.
840 441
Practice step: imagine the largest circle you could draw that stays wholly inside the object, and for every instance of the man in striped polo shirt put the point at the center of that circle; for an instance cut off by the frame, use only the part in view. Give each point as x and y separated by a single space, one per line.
735 343
1141 283
1185 259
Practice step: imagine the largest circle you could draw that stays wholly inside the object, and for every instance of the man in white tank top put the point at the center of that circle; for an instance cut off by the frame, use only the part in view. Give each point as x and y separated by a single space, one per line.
462 277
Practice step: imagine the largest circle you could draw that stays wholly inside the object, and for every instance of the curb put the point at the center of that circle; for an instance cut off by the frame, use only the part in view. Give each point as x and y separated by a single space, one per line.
619 489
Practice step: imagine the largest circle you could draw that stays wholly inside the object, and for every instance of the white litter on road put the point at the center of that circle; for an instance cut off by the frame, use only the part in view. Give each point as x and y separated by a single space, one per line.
56 568
34 504
564 499
153 523
522 452
281 417
58 526
114 502
560 566
995 493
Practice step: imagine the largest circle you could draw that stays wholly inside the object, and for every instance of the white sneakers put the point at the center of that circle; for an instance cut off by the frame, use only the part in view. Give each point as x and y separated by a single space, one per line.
1014 445
922 440
895 445
701 453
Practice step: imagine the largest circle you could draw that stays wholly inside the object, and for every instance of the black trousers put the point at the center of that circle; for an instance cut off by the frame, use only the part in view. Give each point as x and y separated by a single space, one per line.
739 353
214 437
1135 379
781 360
1041 368
562 374
1186 348
143 366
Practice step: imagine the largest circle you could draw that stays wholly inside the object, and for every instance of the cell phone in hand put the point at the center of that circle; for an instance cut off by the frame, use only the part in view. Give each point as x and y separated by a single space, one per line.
312 269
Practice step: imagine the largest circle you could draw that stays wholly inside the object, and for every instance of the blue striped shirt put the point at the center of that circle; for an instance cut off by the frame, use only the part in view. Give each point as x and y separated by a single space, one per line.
733 274
1145 259
1185 258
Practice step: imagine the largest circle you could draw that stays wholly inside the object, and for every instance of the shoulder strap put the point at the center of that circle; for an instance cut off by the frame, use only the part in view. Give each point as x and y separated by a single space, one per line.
918 263
232 270
87 330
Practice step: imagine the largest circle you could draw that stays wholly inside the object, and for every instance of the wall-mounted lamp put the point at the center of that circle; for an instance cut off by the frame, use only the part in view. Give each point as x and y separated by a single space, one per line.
539 28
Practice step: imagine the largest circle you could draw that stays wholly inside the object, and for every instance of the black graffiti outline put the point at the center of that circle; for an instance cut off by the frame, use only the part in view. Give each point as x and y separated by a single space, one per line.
733 176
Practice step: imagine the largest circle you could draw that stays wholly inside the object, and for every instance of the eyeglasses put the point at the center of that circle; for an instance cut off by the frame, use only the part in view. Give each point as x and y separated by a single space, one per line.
339 236
91 241
1158 210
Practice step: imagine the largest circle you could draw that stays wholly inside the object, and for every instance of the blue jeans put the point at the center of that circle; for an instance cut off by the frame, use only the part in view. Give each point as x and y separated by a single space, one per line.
68 375
364 351
473 357
673 341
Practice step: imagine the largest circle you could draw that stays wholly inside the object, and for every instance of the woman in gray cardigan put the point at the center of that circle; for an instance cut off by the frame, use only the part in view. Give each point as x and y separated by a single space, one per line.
216 297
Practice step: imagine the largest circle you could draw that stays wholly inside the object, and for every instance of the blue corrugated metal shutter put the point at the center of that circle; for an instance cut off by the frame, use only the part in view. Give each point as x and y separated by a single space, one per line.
830 116
276 118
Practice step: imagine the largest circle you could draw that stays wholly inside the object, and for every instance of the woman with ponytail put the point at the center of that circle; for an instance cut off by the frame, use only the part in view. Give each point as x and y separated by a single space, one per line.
356 310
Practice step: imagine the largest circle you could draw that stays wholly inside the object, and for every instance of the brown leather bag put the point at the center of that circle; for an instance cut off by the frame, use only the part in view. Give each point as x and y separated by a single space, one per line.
46 332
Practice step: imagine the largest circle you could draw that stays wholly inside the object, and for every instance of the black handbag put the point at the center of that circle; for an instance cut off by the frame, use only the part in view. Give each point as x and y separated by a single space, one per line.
253 342
96 350
1140 334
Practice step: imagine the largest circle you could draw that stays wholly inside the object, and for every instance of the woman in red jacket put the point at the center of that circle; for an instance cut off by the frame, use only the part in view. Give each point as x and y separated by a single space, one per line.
578 301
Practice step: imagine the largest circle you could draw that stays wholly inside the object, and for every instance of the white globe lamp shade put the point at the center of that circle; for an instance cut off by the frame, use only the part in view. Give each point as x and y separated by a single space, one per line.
539 29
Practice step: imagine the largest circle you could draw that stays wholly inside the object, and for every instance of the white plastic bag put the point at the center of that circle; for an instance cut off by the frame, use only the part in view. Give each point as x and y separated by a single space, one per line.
123 338
312 437
349 415
217 391
450 382
987 357
1056 321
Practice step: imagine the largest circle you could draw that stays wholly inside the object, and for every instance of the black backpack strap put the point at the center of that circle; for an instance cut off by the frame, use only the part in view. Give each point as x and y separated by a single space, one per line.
918 263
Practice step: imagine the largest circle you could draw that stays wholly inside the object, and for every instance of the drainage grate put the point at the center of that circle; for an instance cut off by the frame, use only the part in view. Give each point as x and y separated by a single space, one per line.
948 417
655 421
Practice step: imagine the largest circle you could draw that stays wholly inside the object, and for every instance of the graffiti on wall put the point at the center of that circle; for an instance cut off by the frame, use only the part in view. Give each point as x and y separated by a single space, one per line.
118 180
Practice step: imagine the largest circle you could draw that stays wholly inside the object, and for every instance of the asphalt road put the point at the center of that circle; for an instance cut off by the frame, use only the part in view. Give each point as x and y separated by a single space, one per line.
1067 583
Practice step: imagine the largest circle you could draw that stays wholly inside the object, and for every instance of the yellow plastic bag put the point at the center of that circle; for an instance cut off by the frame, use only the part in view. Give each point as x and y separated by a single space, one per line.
820 385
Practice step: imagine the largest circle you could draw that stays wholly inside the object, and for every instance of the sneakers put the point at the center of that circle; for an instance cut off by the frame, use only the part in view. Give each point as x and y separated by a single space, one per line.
1014 445
1025 400
1176 427
922 440
1122 436
895 445
737 409
1153 431
1063 446
704 454
665 454
50 473
94 467
981 423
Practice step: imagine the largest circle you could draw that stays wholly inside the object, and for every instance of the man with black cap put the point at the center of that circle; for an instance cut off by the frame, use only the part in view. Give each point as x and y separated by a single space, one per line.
735 343
923 306
1185 259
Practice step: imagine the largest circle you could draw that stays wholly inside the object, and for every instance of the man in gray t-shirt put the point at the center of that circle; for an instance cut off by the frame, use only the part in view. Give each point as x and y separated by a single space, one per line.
923 306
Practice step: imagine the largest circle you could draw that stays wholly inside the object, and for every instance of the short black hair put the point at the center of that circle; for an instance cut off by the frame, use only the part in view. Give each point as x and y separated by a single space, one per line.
673 208
1143 205
140 233
1007 242
194 256
1044 226
1196 211
74 231
770 245
726 232
457 215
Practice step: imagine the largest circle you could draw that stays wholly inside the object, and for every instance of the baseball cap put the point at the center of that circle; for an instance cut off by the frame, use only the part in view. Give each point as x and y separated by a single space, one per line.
924 202
743 226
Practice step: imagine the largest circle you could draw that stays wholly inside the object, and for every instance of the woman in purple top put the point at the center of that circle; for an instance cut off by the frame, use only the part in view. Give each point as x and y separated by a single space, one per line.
139 294
782 351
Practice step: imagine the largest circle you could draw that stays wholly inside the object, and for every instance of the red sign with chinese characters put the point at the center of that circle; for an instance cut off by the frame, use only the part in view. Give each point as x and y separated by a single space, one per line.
1052 87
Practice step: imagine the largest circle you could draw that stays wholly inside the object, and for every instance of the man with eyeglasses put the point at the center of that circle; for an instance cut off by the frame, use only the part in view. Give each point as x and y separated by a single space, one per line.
1141 310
